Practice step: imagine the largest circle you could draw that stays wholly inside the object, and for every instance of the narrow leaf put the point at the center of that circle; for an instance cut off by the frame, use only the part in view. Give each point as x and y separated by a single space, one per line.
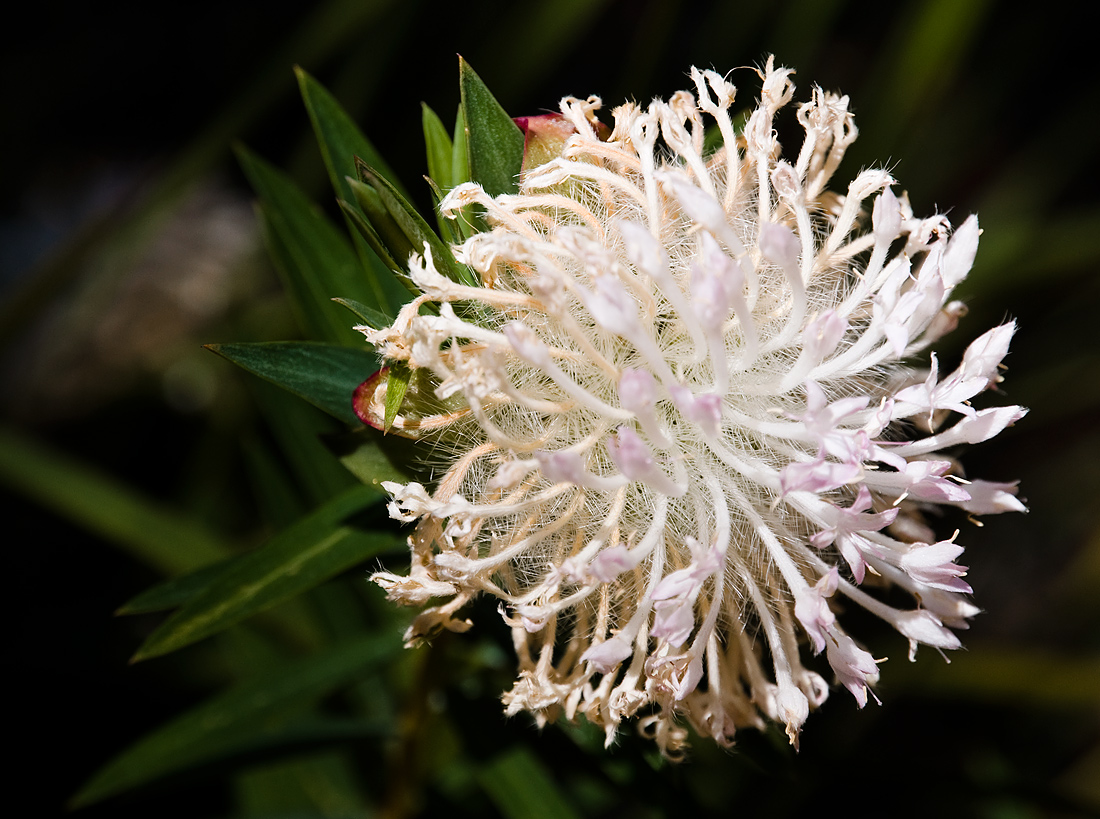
460 153
244 718
368 315
325 375
315 549
494 141
175 592
440 150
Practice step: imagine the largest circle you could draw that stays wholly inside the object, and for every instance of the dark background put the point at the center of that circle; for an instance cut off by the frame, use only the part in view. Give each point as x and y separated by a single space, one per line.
126 241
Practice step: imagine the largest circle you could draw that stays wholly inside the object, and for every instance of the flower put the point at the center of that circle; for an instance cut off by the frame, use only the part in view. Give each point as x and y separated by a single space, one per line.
685 428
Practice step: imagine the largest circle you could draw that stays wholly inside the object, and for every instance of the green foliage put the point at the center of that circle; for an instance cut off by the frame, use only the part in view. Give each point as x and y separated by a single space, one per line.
325 375
493 141
173 593
301 557
339 138
265 712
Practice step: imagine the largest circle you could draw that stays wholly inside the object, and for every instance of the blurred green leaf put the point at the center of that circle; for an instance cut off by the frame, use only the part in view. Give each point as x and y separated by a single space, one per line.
291 624
159 537
325 375
494 141
303 556
259 713
312 256
175 592
522 787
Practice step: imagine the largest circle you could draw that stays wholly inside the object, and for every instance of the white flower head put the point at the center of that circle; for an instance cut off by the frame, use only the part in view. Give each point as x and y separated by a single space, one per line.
690 433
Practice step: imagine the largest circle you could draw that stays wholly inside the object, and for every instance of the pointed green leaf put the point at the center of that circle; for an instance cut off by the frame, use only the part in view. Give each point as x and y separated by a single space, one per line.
368 315
325 375
313 258
310 552
397 384
258 713
339 138
494 141
440 150
175 592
